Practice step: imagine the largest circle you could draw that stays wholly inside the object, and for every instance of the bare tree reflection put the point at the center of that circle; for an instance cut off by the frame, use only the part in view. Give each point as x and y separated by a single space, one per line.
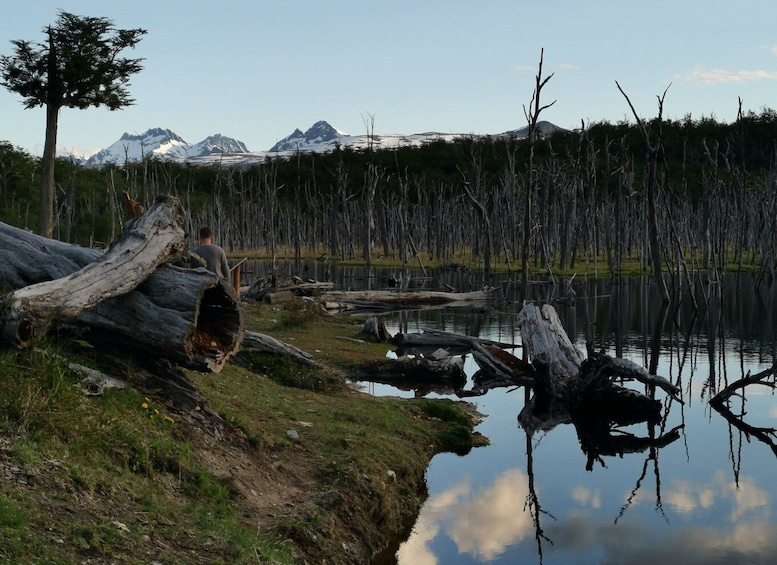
720 402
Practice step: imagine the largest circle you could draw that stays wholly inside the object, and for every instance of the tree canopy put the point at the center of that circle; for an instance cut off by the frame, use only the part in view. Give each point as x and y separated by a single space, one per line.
78 66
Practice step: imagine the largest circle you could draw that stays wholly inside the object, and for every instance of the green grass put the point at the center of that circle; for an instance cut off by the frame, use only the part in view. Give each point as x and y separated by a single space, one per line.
109 476
109 458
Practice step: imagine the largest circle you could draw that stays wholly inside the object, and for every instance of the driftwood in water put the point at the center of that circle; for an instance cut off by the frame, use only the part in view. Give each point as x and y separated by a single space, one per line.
261 289
569 388
439 338
502 365
188 316
337 300
418 372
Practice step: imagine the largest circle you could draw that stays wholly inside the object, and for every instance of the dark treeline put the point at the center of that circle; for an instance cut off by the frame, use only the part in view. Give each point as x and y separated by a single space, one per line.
462 202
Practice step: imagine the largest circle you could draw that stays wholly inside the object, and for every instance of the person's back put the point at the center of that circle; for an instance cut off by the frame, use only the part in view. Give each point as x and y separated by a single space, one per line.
213 255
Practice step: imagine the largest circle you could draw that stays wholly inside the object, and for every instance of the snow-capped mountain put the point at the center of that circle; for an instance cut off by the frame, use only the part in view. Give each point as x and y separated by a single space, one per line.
163 144
319 133
321 137
217 145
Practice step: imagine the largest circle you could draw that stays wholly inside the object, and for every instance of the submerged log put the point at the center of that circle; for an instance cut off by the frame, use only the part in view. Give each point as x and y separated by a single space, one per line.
188 316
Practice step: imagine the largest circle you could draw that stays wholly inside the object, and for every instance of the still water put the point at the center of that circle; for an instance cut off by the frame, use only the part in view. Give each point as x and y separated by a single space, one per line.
708 497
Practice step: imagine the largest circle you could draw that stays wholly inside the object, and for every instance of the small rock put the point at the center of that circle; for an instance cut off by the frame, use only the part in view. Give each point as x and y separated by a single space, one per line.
292 434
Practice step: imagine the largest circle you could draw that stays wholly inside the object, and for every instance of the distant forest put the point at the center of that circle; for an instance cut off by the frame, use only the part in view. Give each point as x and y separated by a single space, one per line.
585 198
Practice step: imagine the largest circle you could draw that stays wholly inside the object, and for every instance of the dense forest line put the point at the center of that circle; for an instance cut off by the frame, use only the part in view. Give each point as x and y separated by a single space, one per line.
714 198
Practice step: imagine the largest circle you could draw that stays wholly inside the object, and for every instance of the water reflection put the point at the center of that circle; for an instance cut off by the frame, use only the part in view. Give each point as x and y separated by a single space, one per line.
688 488
694 489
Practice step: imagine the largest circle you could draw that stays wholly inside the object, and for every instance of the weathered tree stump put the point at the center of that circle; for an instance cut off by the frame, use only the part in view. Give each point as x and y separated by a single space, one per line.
571 389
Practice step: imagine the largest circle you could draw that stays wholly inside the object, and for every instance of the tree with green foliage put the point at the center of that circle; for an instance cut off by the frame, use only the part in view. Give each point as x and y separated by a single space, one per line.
77 67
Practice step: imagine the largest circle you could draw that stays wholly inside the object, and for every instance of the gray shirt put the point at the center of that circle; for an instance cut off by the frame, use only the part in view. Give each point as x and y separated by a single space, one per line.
215 259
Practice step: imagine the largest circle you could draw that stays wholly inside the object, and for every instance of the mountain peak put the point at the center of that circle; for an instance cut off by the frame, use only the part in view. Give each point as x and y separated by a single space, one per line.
320 132
164 144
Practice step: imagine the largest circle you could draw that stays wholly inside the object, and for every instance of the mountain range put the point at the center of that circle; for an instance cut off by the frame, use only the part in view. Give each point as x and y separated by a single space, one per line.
321 137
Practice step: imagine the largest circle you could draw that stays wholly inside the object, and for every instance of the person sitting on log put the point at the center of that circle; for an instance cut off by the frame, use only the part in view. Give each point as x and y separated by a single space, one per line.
213 255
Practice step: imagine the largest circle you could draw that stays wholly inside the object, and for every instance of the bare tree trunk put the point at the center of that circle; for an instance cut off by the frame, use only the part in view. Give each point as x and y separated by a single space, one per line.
651 188
532 116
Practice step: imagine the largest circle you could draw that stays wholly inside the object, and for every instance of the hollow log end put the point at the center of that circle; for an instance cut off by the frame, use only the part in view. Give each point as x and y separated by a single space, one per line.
219 328
21 329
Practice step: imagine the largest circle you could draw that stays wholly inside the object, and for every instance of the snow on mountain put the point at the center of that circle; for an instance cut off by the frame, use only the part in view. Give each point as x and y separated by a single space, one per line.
163 144
319 133
321 137
217 144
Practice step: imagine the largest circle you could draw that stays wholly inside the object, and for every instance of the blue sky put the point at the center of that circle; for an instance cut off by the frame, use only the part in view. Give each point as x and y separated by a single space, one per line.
255 70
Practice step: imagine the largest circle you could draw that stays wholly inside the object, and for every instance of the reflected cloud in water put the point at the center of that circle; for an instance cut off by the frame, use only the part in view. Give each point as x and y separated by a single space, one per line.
482 524
587 497
485 524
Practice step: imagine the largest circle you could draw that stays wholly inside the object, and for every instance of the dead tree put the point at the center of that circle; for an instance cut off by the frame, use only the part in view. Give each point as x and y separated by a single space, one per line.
569 388
652 186
532 116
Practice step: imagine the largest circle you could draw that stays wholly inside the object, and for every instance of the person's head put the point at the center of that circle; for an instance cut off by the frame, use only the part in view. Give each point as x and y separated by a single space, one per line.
206 235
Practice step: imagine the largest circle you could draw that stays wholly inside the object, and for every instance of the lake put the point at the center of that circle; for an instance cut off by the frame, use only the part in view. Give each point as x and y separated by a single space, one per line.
708 496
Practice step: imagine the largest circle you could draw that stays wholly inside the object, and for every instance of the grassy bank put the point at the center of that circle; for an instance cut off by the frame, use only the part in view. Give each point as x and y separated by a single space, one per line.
306 469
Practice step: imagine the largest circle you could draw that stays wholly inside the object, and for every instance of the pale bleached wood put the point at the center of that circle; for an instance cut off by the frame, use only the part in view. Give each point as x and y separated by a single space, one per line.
147 241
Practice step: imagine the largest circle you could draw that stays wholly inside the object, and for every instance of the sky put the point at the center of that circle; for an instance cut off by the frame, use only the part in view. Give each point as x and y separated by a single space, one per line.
255 70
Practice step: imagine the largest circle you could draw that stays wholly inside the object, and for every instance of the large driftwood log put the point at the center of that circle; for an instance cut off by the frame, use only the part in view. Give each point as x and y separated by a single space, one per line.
146 242
188 316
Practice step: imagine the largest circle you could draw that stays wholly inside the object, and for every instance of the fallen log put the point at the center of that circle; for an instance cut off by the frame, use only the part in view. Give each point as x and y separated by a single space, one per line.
420 373
404 299
503 365
188 316
441 338
146 242
262 342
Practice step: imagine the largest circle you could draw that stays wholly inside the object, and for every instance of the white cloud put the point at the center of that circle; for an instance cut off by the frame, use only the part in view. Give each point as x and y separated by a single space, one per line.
700 75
